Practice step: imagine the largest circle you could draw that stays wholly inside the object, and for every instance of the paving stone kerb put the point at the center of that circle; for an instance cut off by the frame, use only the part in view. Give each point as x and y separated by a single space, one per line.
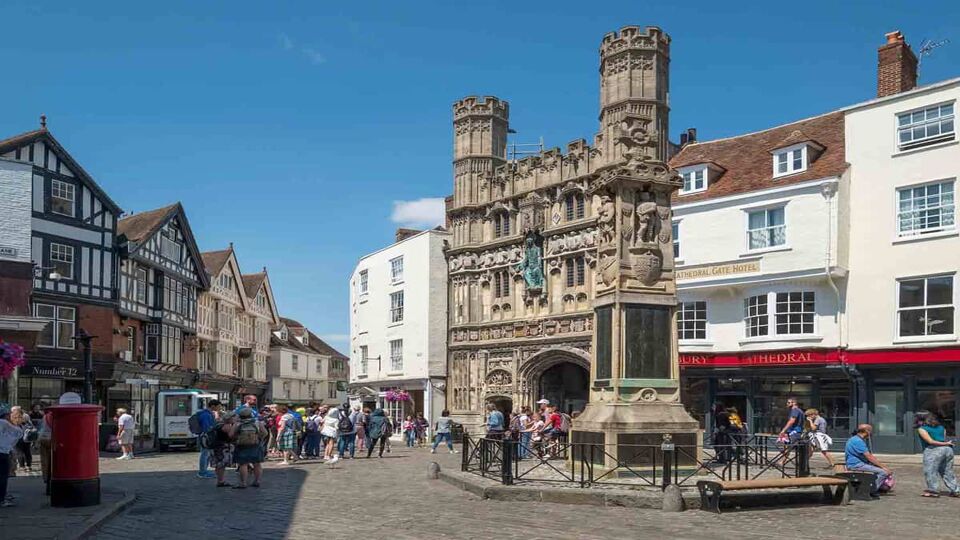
632 498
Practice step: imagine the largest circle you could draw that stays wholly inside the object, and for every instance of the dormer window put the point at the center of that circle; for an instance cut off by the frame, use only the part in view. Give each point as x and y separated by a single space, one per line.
694 179
790 160
306 338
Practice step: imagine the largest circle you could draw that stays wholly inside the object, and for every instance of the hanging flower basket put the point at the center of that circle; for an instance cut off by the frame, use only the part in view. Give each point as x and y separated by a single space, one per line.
397 395
11 357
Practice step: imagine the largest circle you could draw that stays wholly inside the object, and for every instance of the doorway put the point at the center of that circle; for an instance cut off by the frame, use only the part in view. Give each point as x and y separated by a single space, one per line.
503 404
567 386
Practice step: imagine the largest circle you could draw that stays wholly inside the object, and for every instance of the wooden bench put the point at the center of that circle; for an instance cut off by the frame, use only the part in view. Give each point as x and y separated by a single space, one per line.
711 490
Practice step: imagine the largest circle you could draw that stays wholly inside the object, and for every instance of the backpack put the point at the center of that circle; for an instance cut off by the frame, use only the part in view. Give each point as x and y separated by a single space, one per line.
297 423
344 425
387 428
30 433
247 434
565 423
194 423
312 425
209 439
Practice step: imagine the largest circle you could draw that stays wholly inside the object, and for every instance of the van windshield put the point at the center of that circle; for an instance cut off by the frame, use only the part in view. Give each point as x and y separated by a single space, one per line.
177 405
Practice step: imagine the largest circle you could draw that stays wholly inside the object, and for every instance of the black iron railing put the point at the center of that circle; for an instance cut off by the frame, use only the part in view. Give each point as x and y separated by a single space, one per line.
586 464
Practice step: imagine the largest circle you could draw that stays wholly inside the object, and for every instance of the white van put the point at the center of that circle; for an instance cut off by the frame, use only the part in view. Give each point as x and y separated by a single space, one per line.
174 408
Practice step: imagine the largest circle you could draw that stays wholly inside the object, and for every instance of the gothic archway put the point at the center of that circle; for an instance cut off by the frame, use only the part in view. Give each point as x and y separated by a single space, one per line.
547 371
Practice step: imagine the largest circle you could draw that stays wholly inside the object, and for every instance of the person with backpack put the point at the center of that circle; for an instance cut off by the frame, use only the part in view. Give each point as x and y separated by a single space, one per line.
286 435
379 430
347 431
201 422
330 430
248 448
361 426
311 430
443 432
218 440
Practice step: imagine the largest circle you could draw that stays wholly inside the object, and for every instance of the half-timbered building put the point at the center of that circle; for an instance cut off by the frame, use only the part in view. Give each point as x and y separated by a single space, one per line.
160 277
235 319
72 228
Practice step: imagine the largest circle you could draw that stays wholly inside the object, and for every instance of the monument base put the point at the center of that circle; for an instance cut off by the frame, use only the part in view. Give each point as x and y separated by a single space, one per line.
613 435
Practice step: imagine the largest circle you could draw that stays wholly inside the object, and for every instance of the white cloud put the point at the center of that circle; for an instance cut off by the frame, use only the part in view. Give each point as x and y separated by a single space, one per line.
419 213
314 56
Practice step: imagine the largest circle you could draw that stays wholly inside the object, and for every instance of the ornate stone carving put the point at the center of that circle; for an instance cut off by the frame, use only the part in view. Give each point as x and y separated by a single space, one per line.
648 223
635 136
606 219
648 395
532 265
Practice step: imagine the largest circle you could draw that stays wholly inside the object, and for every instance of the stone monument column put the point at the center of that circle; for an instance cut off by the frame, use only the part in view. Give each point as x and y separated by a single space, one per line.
635 374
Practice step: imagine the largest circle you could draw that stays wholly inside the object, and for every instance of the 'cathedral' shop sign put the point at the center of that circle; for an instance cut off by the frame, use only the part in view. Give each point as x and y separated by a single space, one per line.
788 358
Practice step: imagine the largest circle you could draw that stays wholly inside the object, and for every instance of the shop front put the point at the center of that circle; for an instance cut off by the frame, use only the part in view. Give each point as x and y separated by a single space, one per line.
44 379
758 384
899 384
135 388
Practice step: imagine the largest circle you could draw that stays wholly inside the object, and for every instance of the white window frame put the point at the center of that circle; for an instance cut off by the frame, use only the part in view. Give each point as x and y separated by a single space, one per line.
364 359
64 191
364 281
802 313
767 228
762 320
63 317
927 336
295 362
945 210
396 269
140 285
396 355
692 176
772 313
396 307
911 125
168 244
62 254
691 307
791 157
675 236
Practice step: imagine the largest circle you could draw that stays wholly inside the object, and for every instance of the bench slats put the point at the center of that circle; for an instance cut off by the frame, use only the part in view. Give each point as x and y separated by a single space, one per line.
734 485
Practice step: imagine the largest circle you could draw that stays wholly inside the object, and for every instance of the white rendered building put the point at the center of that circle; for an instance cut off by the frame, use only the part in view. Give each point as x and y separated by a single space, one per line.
398 326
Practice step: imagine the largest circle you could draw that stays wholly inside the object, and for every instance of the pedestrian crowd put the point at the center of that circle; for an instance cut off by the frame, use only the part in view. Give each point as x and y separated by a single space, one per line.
541 433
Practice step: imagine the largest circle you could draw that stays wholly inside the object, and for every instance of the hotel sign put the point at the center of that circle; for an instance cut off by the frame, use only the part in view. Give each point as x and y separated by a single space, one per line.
719 270
780 358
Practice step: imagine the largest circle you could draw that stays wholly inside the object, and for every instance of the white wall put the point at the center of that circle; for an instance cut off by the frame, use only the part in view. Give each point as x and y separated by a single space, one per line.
877 256
713 236
15 210
423 329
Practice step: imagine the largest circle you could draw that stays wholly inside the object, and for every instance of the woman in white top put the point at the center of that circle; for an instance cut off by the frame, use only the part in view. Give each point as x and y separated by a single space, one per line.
329 433
9 435
817 432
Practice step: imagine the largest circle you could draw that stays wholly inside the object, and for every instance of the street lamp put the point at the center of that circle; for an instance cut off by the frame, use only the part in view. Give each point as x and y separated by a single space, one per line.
88 376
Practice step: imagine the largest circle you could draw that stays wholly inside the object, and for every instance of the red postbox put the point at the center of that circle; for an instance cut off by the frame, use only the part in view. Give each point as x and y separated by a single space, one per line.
74 465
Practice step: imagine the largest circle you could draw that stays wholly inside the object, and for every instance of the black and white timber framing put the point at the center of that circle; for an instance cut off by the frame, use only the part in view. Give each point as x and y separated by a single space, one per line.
78 225
161 272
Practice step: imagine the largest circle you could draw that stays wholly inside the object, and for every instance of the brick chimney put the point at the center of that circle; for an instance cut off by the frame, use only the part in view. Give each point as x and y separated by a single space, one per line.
896 66
403 234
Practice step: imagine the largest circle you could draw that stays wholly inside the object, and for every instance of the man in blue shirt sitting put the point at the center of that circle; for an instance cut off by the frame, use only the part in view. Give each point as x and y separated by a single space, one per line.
207 418
859 458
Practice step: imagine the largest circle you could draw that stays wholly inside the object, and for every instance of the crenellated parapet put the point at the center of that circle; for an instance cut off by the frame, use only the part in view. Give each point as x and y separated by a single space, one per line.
481 106
633 37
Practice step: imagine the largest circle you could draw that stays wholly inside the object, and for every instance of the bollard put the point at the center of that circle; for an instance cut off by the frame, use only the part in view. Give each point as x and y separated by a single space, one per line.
506 465
465 451
672 499
668 448
433 470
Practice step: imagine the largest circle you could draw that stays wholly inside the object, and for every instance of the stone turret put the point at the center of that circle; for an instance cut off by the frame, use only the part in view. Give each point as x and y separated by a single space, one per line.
634 82
480 127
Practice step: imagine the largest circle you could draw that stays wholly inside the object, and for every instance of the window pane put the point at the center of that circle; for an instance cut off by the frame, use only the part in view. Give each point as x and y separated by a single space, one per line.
758 220
911 293
912 323
65 335
940 291
45 311
939 321
775 216
45 339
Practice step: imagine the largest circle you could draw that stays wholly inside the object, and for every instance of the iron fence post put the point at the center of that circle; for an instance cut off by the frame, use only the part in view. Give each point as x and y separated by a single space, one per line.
465 452
667 447
803 459
506 465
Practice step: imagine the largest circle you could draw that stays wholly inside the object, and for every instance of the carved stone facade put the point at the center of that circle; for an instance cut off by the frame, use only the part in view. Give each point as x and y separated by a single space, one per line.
525 261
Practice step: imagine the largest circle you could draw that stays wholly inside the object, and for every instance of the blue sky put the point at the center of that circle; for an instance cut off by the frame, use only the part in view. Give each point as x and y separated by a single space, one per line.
293 129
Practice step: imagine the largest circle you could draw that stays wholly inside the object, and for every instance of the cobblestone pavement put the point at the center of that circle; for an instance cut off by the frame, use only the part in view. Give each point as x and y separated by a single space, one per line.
392 497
